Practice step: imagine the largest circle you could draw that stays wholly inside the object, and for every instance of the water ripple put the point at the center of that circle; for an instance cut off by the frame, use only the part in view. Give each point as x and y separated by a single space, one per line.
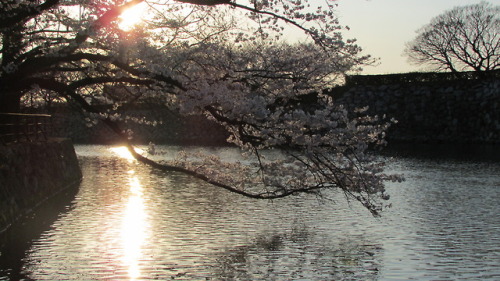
129 222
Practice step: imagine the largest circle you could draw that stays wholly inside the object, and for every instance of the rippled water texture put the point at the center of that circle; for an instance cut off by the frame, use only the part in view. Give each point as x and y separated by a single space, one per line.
130 222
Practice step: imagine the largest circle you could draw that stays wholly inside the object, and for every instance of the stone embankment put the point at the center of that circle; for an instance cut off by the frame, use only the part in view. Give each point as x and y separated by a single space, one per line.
439 111
33 172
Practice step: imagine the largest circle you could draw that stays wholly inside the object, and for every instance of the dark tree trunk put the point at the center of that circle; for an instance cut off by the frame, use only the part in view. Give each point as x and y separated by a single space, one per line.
9 102
13 46
10 98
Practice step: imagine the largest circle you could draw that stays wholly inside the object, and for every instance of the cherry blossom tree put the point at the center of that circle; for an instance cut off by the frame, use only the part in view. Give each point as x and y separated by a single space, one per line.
463 38
224 59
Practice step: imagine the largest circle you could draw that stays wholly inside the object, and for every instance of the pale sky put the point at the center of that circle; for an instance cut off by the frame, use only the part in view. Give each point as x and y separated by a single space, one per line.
382 27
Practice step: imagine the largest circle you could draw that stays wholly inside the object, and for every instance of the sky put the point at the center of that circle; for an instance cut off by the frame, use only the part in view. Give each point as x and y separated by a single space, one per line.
382 27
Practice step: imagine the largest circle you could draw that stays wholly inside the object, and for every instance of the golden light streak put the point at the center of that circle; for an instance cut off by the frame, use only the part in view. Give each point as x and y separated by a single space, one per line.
133 229
123 152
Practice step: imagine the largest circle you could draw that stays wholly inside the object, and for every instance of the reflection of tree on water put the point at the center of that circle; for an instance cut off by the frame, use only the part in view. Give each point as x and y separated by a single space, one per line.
296 255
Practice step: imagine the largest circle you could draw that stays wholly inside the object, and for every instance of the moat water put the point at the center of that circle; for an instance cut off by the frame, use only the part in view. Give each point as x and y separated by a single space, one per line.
127 221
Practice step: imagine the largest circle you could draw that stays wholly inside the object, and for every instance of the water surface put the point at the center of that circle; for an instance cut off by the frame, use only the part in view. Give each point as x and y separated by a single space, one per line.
130 222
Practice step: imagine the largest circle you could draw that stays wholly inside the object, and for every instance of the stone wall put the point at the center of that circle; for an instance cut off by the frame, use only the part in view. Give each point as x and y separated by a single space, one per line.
459 111
429 108
32 172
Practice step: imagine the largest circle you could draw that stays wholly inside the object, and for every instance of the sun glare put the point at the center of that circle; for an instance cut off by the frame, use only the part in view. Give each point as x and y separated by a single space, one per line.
132 16
123 152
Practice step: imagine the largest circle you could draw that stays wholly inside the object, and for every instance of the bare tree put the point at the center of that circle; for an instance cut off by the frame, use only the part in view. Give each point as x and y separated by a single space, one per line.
463 38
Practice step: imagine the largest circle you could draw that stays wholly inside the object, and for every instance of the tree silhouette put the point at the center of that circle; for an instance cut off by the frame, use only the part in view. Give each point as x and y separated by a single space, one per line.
464 38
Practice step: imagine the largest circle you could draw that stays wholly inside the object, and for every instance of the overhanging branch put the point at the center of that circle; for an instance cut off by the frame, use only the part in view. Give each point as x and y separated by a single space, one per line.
25 12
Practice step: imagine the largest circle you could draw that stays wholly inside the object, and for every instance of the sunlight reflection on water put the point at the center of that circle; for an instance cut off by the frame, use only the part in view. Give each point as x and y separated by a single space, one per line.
134 222
122 152
131 222
134 225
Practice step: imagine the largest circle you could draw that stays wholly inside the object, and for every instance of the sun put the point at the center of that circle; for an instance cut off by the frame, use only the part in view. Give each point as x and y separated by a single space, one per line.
133 16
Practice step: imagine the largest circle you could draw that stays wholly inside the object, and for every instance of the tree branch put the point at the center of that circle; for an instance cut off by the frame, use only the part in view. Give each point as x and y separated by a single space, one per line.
25 13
